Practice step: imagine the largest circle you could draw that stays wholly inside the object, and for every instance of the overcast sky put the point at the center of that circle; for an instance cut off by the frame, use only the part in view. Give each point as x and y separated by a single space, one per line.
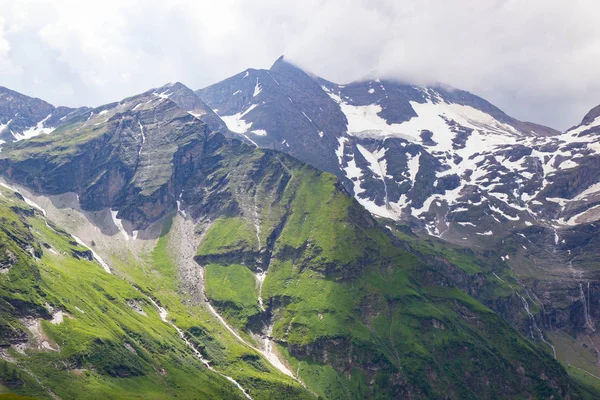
538 60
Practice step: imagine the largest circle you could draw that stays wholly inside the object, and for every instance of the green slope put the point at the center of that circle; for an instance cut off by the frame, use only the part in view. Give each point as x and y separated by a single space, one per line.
359 316
111 342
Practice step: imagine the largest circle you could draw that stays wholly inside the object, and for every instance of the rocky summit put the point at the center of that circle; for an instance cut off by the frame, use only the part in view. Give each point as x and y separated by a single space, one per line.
279 236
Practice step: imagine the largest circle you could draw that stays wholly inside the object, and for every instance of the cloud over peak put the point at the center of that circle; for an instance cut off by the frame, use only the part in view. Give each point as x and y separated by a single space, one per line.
538 60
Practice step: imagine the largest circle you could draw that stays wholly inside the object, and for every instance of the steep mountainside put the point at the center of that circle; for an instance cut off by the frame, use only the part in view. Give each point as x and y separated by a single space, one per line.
400 148
283 109
23 117
435 156
187 100
450 165
269 270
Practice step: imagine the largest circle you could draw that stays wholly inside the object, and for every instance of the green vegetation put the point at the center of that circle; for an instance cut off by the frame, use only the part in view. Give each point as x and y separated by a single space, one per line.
111 343
105 348
229 235
158 275
232 288
374 316
10 396
588 384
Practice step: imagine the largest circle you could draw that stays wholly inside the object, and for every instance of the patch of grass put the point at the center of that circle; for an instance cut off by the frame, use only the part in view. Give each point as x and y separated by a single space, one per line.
232 288
318 221
229 235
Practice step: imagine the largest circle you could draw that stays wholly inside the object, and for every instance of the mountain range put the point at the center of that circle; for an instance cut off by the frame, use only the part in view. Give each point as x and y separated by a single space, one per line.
276 235
448 164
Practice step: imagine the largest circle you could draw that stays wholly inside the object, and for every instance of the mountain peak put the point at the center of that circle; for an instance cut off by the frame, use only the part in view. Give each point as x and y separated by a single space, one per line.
591 115
282 65
171 87
279 61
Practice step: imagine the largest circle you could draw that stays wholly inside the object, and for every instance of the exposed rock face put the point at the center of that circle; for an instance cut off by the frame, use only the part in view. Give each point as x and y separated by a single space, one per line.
282 108
186 99
123 158
398 147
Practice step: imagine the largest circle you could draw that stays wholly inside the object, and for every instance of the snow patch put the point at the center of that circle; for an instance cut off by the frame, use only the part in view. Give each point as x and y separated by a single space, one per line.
339 152
257 89
163 95
34 131
143 139
119 223
236 122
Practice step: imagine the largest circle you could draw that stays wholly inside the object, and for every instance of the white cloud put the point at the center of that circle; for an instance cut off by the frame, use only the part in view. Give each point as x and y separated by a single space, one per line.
538 60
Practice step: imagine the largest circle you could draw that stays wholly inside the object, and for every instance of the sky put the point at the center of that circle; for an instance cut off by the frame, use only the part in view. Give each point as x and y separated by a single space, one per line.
538 60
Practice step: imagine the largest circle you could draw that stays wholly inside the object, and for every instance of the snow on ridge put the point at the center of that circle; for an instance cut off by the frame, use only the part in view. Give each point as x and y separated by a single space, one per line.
34 131
354 174
163 95
582 128
339 152
197 115
499 211
413 164
467 224
378 167
4 126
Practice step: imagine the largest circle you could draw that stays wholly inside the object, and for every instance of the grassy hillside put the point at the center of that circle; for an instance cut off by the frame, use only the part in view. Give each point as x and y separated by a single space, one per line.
357 315
111 341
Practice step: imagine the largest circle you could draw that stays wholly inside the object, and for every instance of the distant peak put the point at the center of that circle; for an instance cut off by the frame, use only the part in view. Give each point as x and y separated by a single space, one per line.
172 85
282 64
591 115
279 61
